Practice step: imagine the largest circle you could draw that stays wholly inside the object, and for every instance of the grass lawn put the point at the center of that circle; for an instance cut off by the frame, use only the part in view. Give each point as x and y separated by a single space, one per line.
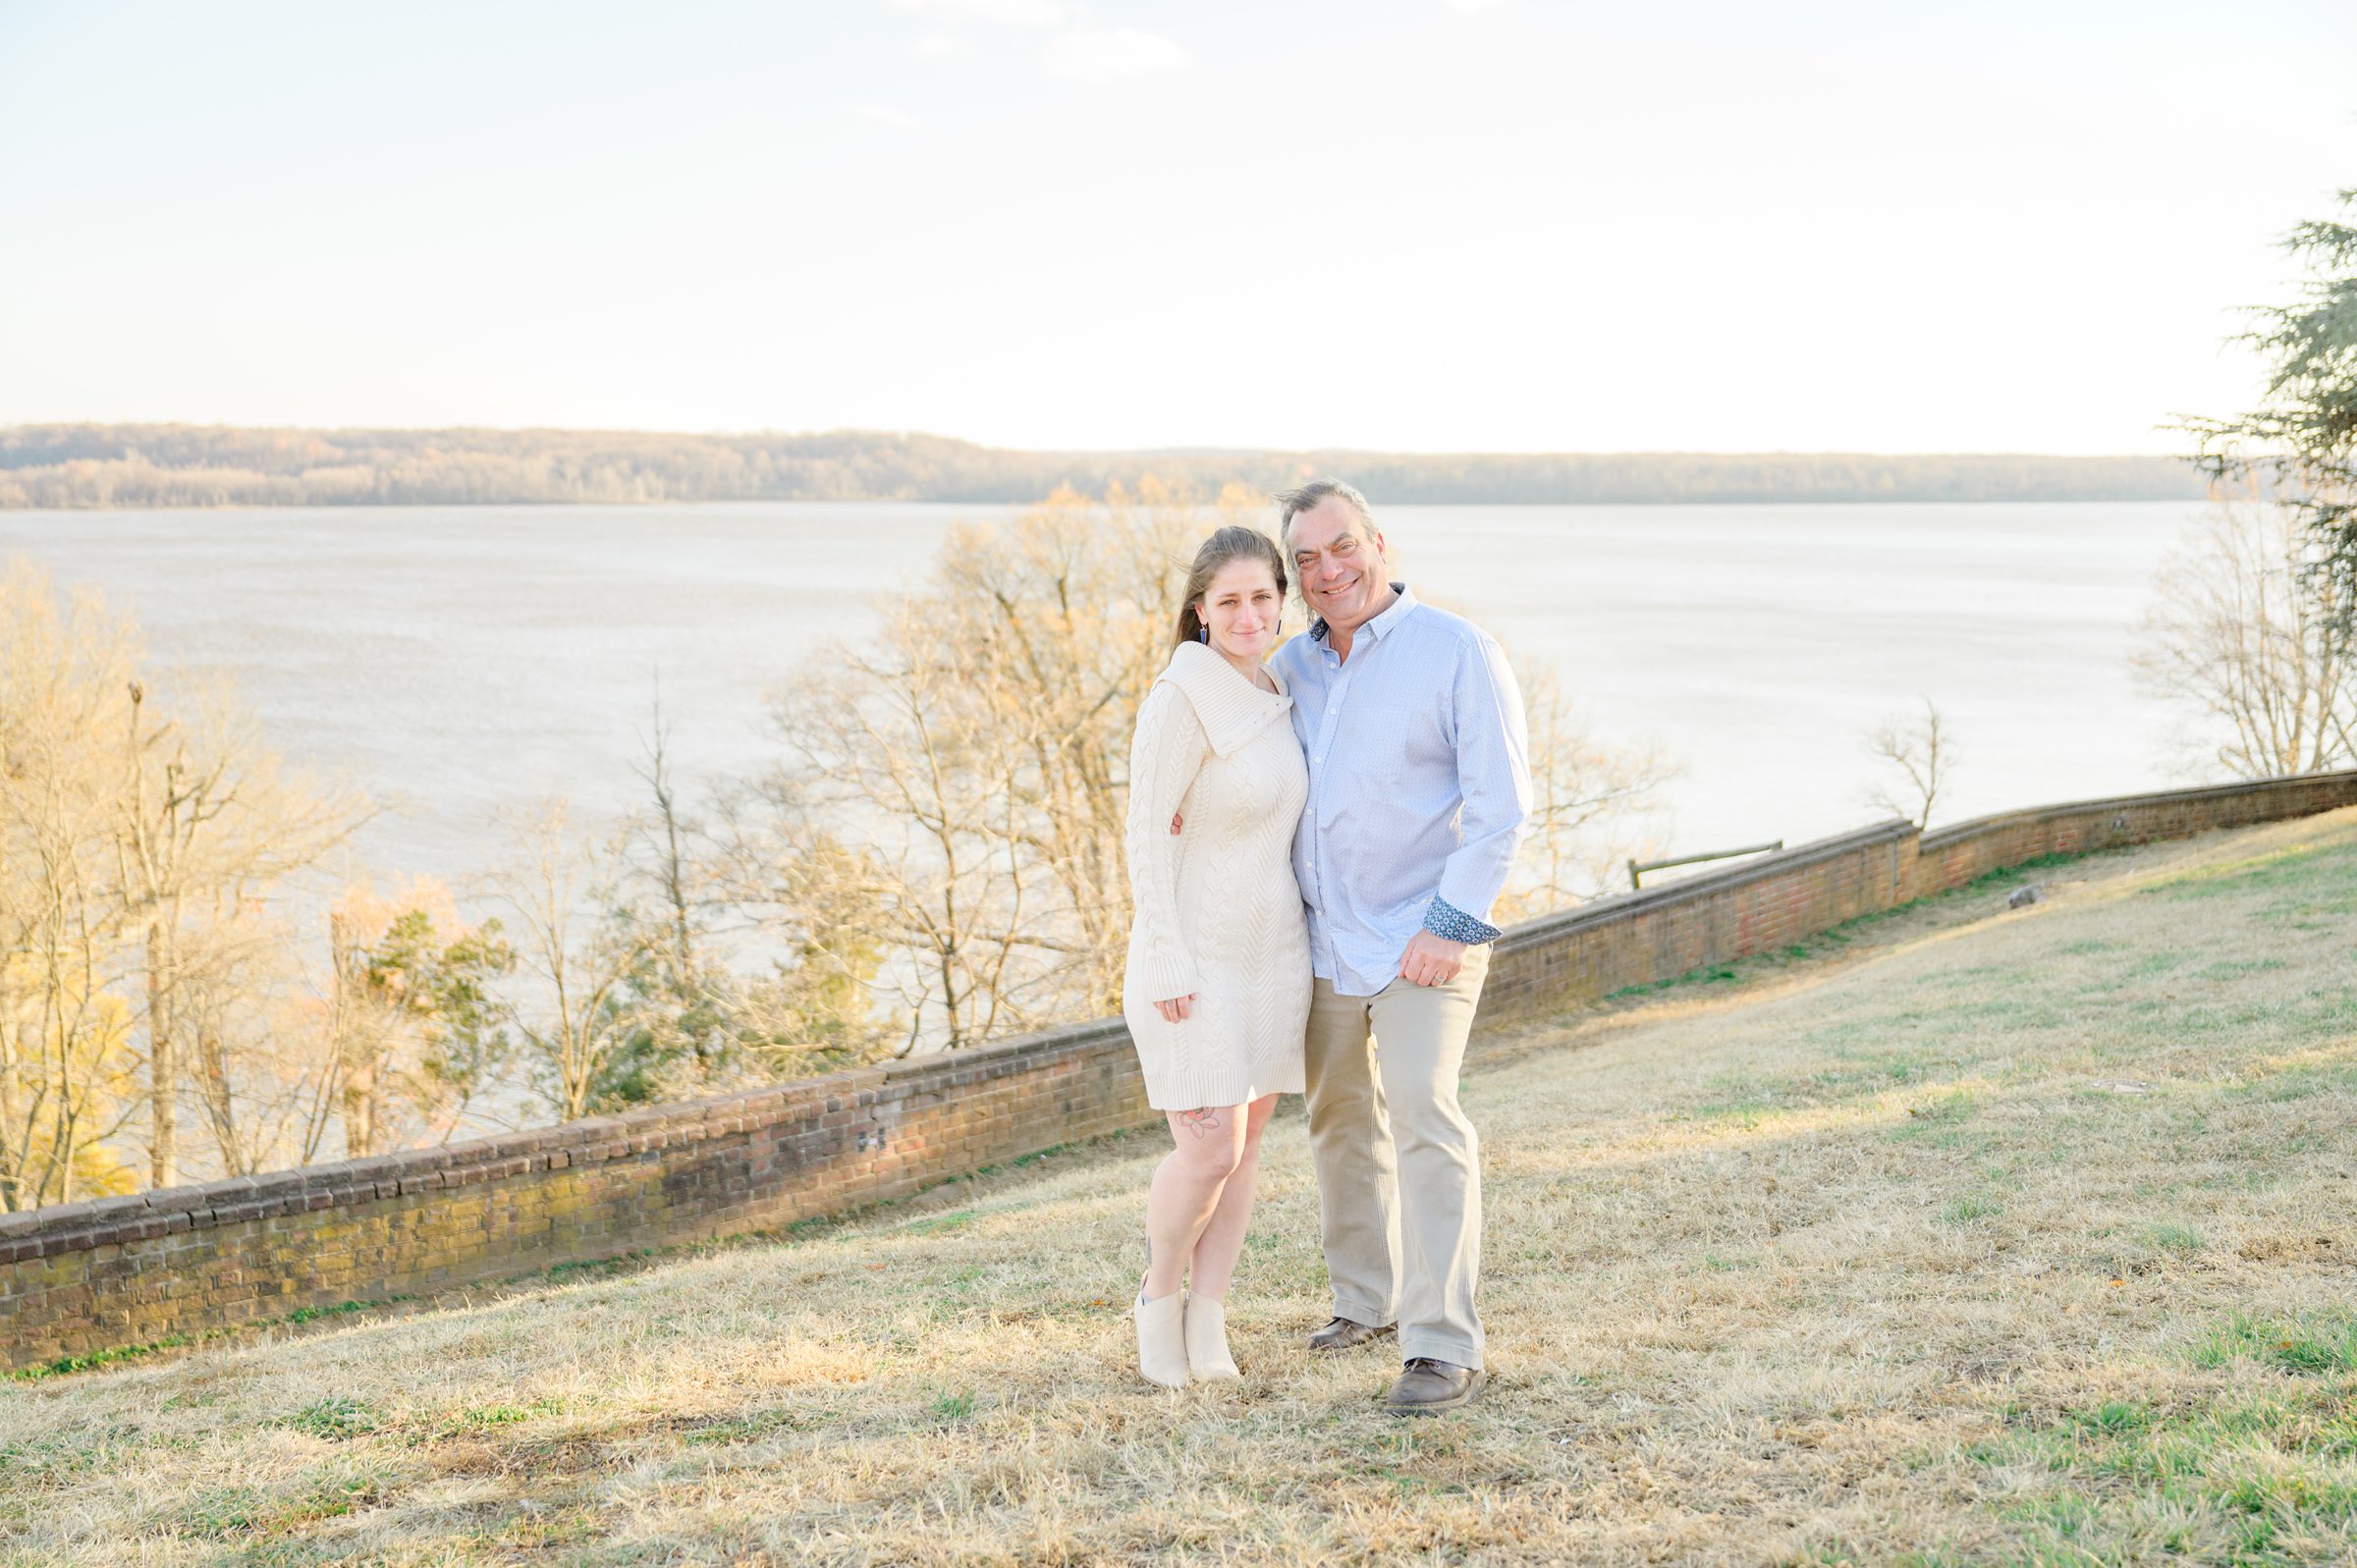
1975 1236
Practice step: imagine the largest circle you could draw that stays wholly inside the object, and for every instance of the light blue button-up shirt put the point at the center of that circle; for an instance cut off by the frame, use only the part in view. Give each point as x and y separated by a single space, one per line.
1419 784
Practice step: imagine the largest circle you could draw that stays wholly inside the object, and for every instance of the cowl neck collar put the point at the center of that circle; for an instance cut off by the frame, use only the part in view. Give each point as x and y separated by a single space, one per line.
1230 709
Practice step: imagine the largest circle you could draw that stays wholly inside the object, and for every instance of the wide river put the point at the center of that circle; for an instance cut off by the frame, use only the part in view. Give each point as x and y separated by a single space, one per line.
456 659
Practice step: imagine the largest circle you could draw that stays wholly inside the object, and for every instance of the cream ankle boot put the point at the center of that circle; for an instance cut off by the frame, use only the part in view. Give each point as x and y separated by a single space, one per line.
1207 1355
1162 1339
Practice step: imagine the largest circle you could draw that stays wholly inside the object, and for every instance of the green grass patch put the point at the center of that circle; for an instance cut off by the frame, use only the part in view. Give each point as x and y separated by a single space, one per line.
1849 1078
1957 1104
481 1418
2310 1344
1873 1073
76 1452
314 1314
2222 1481
750 1427
2296 866
228 1513
2236 969
934 1225
337 1418
593 1267
89 1360
440 1426
112 1355
2303 1082
2090 947
1748 1112
1972 1207
1707 975
2068 1514
2019 871
1944 1122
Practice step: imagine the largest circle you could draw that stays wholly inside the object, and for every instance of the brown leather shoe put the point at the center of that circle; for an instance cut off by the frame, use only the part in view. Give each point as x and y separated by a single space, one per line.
1340 1334
1428 1386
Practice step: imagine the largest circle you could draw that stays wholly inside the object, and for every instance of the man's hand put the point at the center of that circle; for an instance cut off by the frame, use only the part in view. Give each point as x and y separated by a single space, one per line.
1431 960
1174 1011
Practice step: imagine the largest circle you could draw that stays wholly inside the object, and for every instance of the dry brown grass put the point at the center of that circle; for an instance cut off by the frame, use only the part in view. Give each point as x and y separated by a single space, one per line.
1989 1237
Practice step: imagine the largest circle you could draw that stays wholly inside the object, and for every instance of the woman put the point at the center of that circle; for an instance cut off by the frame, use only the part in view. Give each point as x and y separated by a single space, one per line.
1217 989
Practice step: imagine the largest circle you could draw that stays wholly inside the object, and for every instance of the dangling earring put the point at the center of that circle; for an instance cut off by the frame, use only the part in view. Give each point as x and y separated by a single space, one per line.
1203 631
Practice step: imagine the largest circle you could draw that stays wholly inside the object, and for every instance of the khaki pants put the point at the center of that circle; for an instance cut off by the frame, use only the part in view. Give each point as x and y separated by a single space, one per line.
1399 1167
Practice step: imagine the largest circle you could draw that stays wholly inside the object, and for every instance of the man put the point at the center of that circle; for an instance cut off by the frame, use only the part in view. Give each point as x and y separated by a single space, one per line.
1419 784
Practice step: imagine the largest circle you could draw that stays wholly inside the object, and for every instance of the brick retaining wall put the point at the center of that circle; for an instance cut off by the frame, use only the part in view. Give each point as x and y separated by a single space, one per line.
1953 856
128 1270
131 1270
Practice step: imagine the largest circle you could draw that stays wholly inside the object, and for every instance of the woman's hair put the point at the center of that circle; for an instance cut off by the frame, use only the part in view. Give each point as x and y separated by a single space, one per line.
1233 543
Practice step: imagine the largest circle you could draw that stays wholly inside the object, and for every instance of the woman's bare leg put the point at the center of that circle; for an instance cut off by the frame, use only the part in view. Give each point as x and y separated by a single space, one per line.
1222 1239
1206 1144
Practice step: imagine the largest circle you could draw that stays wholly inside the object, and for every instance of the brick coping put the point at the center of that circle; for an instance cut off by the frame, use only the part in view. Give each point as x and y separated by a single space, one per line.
2027 816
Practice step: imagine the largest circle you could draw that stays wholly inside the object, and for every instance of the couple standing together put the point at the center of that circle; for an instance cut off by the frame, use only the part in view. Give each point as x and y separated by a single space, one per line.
1315 846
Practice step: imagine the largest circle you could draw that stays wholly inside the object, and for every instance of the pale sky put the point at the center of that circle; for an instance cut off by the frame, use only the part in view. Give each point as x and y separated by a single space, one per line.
1506 225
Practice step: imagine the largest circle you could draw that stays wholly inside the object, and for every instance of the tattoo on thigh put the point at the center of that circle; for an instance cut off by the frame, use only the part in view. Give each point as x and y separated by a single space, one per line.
1200 1122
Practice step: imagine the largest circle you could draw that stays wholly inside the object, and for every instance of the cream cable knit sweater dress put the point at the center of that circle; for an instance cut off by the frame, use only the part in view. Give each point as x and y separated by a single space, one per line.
1218 912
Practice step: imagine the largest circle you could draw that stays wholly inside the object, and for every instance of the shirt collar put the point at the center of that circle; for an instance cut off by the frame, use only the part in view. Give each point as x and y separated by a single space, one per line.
1397 611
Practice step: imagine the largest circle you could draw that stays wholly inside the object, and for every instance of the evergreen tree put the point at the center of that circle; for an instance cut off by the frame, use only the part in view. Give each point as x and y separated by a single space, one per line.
2302 438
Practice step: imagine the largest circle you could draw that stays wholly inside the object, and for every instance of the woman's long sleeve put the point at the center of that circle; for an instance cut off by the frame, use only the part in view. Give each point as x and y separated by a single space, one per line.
1164 759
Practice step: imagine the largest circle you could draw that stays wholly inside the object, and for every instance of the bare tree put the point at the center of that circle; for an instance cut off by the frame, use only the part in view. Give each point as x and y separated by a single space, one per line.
1591 805
682 993
247 1064
669 866
967 768
142 857
67 1060
561 887
138 854
1066 615
2248 639
701 895
817 913
202 812
881 746
1919 758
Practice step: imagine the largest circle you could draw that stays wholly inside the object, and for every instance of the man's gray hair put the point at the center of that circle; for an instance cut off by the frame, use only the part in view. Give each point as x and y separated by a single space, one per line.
1294 502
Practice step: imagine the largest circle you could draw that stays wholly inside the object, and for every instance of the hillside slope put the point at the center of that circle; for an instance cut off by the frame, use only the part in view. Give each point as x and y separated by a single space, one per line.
1982 1236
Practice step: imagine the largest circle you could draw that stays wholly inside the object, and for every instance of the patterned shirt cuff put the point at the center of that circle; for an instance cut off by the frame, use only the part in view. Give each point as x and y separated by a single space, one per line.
1444 919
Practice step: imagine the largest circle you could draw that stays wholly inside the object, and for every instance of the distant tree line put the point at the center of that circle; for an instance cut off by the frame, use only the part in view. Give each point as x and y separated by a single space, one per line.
185 466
